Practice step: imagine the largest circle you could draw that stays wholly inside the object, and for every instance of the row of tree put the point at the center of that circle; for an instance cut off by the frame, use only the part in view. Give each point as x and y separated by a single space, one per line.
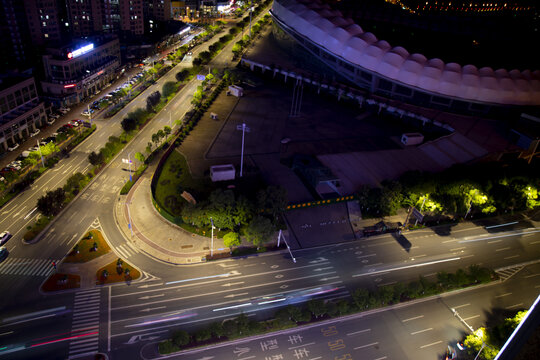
482 188
256 219
315 309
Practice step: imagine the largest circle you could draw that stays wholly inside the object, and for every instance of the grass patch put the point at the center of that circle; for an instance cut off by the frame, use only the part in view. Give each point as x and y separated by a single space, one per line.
174 179
85 248
116 273
35 229
57 282
129 184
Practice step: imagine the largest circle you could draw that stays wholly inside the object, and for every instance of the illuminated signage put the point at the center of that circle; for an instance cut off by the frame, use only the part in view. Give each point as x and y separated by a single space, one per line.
69 86
80 51
100 72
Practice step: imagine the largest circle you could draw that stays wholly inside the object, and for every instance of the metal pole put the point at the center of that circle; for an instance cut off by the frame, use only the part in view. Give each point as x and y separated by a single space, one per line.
212 237
479 352
250 10
288 248
278 238
242 155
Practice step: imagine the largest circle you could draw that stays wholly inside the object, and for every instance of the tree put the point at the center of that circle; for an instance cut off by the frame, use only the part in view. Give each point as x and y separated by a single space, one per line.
231 239
96 158
152 100
161 135
181 338
360 298
168 88
243 211
149 147
128 124
73 183
155 138
139 157
259 230
182 75
317 307
216 329
273 199
167 130
52 202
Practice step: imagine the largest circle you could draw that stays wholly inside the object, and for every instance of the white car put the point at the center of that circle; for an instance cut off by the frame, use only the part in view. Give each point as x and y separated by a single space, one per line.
54 116
35 132
51 121
13 147
74 123
87 113
4 237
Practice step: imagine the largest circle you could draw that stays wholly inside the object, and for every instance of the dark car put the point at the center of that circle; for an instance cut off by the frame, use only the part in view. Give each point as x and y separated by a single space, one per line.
3 253
4 237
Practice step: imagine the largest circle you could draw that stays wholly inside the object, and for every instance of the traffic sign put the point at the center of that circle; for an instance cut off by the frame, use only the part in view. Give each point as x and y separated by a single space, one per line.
417 214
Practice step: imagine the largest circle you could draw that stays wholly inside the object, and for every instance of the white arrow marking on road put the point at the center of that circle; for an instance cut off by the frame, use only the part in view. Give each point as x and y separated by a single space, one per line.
330 278
232 284
318 260
321 269
147 286
233 307
234 272
241 351
30 213
151 309
235 295
150 297
136 338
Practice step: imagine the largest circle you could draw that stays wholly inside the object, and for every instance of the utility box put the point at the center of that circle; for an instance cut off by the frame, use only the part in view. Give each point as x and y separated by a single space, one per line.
222 172
236 90
412 139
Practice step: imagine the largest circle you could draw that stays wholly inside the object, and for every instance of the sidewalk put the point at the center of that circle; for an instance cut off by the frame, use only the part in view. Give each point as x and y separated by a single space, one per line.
155 235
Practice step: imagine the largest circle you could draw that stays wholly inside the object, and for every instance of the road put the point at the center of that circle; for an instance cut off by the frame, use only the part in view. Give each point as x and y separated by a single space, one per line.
415 331
121 318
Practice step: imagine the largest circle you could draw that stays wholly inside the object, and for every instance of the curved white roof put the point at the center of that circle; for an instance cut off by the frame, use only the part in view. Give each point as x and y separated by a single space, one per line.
329 29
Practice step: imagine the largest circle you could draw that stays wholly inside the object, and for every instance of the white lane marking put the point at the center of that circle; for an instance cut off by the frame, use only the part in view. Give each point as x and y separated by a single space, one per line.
511 257
358 332
494 241
413 318
534 243
500 236
407 267
428 345
421 331
503 249
460 306
471 317
299 346
513 306
494 226
365 346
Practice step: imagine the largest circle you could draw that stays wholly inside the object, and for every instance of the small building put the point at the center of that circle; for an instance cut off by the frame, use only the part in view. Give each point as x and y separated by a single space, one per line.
222 172
236 90
412 139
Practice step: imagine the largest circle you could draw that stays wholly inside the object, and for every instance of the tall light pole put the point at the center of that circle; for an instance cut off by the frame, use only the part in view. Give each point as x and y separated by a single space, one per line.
130 224
244 128
212 237
280 236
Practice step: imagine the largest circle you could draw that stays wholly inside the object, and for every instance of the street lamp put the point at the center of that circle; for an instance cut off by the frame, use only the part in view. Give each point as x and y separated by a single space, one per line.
244 128
212 237
280 236
130 224
40 155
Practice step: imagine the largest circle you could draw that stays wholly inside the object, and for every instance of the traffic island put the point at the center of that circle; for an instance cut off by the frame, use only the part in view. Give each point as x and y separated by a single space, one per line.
59 282
90 247
117 271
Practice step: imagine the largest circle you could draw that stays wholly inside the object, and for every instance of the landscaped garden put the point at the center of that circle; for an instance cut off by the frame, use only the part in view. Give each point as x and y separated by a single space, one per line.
91 246
116 271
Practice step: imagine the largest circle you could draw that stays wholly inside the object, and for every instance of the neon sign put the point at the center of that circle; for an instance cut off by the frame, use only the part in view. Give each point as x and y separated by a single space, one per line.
80 51
69 86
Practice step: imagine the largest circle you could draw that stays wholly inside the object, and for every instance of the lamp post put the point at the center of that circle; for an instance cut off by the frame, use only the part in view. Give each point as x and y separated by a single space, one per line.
212 238
244 128
280 235
130 224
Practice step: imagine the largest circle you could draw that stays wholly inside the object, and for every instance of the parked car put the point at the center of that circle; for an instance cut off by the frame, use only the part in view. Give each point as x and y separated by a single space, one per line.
13 147
4 237
7 170
35 132
33 148
51 121
74 123
87 112
3 253
54 116
78 121
68 126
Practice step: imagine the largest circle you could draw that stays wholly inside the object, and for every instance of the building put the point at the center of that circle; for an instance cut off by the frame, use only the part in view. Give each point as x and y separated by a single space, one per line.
44 19
14 35
323 33
21 110
80 69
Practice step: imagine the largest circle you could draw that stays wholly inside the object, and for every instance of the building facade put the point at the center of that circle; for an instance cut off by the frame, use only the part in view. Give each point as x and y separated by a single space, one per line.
21 110
378 68
77 71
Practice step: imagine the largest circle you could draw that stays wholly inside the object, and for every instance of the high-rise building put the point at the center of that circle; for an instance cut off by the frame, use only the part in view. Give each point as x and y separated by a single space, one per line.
131 16
14 35
44 21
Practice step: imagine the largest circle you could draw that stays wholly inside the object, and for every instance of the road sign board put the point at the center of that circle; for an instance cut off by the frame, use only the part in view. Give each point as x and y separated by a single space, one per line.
417 214
201 77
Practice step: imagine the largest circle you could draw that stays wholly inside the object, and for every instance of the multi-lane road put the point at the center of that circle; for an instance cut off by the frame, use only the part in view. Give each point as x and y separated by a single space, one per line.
122 319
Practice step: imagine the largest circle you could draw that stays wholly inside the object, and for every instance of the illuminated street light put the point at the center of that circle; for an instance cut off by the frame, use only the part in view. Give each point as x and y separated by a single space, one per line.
244 128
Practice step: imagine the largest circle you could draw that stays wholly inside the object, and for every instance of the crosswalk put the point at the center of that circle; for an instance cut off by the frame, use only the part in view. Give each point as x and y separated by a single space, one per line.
126 250
508 272
85 326
27 267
